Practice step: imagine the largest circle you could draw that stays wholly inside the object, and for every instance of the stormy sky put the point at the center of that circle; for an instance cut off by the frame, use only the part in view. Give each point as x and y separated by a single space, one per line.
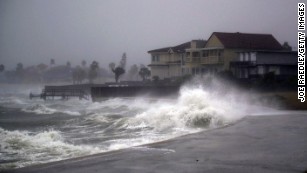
34 31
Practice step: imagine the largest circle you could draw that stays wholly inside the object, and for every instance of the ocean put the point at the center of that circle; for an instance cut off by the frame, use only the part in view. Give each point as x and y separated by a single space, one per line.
37 131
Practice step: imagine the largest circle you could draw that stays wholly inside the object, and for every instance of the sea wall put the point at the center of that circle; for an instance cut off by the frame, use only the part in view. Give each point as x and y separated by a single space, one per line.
105 91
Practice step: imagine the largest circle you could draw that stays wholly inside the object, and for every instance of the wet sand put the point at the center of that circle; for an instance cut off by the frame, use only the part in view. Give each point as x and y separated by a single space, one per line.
267 144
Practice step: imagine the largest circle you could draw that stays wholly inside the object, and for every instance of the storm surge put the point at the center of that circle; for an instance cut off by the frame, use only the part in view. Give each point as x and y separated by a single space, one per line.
77 128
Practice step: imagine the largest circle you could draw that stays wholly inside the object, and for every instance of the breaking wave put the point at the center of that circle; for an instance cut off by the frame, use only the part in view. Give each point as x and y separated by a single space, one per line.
118 123
43 109
26 148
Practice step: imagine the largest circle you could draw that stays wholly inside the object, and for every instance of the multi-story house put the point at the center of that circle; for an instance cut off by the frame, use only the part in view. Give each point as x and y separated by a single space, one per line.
222 48
244 54
168 62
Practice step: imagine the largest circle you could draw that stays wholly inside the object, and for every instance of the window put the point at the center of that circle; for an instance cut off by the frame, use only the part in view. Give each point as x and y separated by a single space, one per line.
157 58
195 54
153 58
247 56
214 52
205 54
220 53
261 70
253 56
241 56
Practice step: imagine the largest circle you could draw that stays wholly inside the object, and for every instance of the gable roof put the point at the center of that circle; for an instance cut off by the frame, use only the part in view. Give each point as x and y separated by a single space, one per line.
248 41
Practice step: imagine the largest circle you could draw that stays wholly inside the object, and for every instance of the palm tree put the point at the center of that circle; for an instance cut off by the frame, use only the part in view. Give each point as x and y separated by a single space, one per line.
118 72
2 68
52 62
78 75
83 63
68 64
93 71
144 73
19 71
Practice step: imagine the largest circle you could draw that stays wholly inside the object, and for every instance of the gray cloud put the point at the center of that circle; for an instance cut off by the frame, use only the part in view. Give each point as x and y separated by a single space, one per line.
34 31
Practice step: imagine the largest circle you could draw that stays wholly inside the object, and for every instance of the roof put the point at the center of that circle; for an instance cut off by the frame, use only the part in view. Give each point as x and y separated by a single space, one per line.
179 48
165 49
248 41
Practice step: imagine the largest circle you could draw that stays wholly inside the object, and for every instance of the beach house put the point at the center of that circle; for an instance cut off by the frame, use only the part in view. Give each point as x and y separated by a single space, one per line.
168 62
246 55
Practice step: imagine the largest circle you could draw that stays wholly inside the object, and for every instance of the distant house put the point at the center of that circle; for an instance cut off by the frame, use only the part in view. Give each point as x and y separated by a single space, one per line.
253 64
168 62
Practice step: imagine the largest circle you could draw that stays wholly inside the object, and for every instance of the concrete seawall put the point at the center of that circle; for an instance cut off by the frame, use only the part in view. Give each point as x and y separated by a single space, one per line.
105 91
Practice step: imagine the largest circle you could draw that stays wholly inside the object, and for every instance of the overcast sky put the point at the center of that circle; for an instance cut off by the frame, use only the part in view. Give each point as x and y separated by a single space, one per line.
34 31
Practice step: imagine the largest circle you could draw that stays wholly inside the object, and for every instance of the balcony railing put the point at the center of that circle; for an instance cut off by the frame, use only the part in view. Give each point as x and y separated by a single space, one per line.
212 60
193 59
243 63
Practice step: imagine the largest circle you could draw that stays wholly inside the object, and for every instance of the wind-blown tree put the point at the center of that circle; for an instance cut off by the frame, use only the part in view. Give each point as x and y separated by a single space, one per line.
118 71
68 64
144 73
83 63
19 67
19 71
2 68
52 62
93 71
78 75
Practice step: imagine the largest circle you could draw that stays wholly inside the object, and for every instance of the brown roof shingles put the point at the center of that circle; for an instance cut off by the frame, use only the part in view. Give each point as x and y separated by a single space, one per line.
248 41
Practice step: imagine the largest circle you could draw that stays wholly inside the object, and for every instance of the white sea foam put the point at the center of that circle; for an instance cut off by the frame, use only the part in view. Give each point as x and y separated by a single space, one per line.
39 148
121 123
195 108
43 109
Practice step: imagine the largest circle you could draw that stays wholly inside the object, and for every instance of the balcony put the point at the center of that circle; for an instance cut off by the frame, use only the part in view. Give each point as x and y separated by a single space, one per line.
243 63
212 60
192 59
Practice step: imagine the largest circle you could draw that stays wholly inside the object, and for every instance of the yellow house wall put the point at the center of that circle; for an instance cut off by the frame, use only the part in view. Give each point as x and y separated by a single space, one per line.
166 71
214 42
166 57
160 71
174 70
229 55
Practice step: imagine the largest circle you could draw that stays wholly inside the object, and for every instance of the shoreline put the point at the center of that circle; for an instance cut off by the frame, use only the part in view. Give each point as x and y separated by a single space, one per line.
267 144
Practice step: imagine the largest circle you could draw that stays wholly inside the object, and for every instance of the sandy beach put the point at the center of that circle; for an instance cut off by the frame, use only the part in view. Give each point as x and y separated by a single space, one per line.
268 144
